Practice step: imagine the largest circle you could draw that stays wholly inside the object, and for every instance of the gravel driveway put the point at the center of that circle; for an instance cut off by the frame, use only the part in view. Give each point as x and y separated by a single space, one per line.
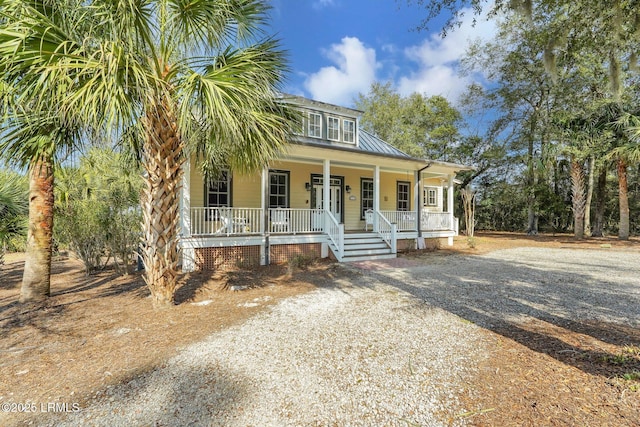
392 343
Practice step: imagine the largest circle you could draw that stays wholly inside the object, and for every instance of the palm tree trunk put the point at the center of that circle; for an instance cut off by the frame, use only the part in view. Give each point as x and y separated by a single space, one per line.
623 229
601 201
162 160
590 184
578 198
36 279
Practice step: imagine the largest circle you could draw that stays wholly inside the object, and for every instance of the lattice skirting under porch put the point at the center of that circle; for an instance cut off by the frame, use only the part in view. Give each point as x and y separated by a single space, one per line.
283 253
229 257
249 256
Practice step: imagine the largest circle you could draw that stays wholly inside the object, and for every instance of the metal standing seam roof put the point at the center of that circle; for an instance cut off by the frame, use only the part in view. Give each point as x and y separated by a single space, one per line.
373 144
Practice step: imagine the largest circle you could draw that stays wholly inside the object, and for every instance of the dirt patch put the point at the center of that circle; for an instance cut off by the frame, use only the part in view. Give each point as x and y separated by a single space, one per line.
98 331
544 374
486 242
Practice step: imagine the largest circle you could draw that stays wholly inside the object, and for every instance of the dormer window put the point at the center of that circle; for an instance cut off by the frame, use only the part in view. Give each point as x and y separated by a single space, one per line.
349 130
315 125
333 128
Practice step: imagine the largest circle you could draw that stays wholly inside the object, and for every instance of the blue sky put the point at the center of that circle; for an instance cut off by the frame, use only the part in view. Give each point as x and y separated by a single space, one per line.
338 48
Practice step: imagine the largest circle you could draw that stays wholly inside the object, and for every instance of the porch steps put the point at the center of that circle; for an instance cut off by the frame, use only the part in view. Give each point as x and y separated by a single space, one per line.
365 247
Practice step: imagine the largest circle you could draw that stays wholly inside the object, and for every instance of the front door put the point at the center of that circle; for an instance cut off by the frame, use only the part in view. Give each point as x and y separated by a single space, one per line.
335 199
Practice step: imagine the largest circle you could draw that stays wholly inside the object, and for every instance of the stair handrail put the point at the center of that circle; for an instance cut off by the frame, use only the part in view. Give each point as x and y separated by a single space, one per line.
387 230
335 232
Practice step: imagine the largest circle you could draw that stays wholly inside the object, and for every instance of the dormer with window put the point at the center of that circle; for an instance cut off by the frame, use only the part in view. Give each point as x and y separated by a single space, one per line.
326 123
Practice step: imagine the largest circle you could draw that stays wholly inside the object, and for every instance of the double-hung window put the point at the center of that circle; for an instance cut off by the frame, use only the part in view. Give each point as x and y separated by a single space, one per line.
333 128
315 125
218 190
278 189
366 195
403 196
349 130
217 194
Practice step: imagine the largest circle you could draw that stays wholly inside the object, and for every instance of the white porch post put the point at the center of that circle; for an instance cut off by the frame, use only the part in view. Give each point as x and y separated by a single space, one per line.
264 222
376 197
326 182
416 199
450 206
188 253
326 177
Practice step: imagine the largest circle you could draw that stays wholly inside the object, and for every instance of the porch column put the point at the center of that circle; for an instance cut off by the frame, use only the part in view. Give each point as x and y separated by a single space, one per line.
264 224
326 181
376 197
416 200
188 253
450 206
326 176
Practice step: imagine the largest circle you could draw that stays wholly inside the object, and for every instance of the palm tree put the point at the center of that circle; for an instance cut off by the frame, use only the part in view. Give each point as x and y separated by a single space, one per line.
180 78
33 142
32 139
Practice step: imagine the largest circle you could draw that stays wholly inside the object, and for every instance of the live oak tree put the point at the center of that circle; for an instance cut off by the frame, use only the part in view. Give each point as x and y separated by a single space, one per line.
176 78
581 34
421 126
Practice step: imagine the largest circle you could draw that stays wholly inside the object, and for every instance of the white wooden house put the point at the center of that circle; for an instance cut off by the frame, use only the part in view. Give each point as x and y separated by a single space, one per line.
337 191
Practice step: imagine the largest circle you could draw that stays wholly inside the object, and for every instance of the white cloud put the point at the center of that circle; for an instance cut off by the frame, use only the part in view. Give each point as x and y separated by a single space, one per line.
354 71
319 4
435 80
438 57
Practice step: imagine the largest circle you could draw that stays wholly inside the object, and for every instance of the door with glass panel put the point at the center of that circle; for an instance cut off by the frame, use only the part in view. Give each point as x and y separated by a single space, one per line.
317 202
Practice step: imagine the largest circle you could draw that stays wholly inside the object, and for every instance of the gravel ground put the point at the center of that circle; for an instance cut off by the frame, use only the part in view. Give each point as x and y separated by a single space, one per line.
392 344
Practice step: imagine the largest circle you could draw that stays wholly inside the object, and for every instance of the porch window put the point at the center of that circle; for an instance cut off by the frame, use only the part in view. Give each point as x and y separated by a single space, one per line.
278 189
218 190
349 130
333 129
403 196
366 195
315 125
430 196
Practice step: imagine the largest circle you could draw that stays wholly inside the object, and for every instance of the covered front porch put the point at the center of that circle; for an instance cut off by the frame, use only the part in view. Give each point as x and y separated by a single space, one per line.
292 195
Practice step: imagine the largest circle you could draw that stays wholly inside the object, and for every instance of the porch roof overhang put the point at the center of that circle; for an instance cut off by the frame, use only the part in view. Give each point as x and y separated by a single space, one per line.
354 157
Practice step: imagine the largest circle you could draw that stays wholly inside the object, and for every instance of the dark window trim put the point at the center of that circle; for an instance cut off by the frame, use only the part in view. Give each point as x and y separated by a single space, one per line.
408 184
285 172
229 190
362 198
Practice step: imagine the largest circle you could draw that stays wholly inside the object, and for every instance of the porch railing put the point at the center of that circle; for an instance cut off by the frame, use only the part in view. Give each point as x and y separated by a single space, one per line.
404 220
436 221
386 230
293 221
335 232
224 221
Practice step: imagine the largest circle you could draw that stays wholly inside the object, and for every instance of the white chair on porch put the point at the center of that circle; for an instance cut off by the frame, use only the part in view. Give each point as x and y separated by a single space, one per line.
368 219
279 221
